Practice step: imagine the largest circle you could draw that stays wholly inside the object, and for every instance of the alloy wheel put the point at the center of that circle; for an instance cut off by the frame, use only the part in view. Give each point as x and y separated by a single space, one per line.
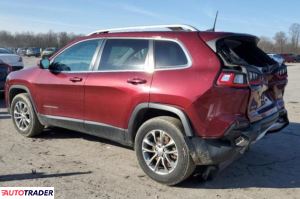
160 152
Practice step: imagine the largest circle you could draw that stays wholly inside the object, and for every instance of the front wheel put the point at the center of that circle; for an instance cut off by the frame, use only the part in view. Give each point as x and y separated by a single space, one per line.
24 116
162 152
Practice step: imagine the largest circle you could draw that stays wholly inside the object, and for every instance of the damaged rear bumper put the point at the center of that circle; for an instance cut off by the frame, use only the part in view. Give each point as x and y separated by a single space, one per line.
236 140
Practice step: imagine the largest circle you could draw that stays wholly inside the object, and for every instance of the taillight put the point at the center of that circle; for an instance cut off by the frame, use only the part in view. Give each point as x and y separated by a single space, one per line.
281 72
254 78
232 79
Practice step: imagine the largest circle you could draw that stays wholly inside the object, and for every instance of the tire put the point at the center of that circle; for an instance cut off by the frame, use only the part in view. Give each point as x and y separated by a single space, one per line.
33 127
172 129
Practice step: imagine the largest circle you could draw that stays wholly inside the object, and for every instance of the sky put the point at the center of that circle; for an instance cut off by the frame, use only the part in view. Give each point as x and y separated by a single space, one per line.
258 17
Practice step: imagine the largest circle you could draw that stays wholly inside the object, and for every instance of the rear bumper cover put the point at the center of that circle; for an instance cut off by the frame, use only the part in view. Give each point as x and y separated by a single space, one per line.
236 140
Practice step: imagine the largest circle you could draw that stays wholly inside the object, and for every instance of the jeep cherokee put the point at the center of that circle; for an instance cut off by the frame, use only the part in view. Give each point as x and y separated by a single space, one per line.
181 97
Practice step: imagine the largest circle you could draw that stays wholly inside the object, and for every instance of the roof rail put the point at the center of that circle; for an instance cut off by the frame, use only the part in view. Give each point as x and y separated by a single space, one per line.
172 27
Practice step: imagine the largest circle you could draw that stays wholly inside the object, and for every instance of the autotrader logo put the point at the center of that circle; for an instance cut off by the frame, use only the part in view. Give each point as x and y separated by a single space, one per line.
27 192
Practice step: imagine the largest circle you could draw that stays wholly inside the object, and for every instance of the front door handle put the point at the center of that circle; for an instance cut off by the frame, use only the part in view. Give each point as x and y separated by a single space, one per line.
136 81
75 79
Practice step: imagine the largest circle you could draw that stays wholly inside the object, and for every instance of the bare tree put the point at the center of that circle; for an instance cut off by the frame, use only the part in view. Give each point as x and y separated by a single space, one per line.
280 41
30 39
295 36
266 44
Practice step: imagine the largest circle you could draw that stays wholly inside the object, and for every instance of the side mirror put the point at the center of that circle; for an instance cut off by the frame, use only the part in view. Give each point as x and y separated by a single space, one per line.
44 64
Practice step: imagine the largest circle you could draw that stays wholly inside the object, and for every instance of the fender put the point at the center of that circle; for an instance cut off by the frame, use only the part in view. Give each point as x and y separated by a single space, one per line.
145 106
27 91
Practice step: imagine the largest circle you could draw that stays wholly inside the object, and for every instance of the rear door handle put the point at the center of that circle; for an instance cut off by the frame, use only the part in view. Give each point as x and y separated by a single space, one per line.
136 81
75 79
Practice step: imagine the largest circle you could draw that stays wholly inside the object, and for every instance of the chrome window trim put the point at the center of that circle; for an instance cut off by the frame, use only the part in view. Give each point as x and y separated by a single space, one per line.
151 63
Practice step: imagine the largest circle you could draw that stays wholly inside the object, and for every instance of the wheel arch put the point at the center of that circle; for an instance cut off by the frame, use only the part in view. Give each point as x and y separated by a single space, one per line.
145 111
15 90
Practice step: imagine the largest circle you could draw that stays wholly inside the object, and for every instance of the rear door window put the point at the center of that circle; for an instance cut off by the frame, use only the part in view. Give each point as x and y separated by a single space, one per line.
169 54
124 54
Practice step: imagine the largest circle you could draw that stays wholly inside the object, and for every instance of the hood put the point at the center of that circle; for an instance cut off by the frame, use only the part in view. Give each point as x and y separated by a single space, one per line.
11 59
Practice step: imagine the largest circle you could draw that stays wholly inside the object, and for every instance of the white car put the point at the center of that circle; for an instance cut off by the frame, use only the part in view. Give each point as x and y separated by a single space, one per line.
276 57
8 57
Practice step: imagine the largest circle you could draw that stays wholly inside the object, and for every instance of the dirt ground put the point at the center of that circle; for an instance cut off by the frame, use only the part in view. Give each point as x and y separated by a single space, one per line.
82 166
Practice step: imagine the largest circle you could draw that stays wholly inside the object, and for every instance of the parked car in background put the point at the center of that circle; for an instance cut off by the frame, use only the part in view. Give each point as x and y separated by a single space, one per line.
288 57
21 51
13 50
15 61
277 57
181 98
5 69
35 52
297 58
48 52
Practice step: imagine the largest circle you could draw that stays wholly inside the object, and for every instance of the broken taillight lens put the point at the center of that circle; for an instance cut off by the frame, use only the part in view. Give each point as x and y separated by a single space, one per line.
254 78
232 79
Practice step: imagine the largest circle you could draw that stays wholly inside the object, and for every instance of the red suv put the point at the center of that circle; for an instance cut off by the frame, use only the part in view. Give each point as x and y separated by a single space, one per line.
182 98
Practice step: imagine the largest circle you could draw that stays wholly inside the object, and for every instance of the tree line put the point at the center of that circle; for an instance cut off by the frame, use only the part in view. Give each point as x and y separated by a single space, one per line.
283 42
30 39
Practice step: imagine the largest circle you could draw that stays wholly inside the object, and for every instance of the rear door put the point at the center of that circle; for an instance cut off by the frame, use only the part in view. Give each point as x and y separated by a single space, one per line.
119 83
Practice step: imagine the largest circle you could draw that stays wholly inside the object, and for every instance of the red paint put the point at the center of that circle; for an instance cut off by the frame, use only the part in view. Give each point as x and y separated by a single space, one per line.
109 98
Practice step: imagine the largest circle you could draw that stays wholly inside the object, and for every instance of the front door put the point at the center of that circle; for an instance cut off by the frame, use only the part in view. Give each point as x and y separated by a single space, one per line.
60 90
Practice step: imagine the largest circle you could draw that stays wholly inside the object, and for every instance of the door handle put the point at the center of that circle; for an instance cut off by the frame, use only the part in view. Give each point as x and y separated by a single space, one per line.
75 79
136 81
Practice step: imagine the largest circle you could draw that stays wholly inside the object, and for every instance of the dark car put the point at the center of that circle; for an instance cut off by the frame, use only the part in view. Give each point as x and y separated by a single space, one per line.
289 58
5 69
297 58
181 98
35 52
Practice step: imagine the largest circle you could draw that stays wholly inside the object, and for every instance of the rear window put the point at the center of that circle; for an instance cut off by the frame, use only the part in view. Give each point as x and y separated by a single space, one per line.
238 51
169 54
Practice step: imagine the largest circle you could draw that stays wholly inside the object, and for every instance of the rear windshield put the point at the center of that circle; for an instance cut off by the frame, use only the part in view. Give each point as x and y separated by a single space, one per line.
239 51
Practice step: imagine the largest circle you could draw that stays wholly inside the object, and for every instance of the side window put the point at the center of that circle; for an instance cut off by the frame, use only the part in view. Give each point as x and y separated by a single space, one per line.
124 54
77 57
169 54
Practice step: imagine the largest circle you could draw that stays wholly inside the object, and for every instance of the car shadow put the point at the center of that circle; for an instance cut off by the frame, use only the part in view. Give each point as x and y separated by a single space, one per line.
37 175
273 162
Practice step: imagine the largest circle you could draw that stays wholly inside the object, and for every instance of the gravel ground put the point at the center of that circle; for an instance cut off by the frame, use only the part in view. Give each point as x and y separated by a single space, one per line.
82 166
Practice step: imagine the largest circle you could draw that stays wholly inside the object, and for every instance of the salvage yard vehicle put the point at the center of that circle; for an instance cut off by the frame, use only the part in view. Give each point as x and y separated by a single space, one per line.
5 69
35 52
48 52
277 57
181 97
8 57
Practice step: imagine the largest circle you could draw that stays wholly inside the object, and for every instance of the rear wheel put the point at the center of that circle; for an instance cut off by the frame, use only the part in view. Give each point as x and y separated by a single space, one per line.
162 152
24 116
